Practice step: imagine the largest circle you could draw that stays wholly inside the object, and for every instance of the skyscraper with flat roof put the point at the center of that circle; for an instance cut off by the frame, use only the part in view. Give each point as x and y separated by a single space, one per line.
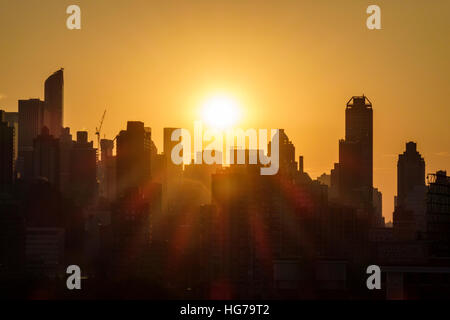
133 157
83 170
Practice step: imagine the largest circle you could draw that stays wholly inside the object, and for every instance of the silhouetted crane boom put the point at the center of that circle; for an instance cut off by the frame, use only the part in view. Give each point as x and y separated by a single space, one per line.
98 130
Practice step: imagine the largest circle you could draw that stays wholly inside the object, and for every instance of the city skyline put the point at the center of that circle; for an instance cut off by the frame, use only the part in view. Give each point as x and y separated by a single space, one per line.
267 57
216 150
388 215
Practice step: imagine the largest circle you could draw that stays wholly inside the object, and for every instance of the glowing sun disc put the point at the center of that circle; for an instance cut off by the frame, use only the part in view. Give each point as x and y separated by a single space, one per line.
220 111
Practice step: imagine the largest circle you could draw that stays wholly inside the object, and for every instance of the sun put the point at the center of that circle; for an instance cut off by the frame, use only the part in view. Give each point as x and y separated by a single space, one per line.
220 111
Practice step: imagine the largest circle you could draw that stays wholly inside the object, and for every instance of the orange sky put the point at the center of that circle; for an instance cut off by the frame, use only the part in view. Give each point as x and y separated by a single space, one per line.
292 64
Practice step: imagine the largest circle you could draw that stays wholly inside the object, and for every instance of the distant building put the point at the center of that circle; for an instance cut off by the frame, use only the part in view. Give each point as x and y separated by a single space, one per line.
65 159
44 251
131 222
410 206
6 154
288 165
410 172
378 219
133 157
54 102
173 172
158 165
201 172
31 122
83 169
438 214
325 179
355 167
107 170
12 236
46 158
12 118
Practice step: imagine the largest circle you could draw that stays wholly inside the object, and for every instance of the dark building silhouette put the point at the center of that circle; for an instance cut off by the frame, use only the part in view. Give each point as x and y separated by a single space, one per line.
46 158
410 203
158 165
355 154
288 165
83 170
31 121
201 172
107 147
12 118
107 170
133 157
131 229
12 239
410 172
207 231
438 214
45 215
173 172
378 208
54 102
6 154
65 159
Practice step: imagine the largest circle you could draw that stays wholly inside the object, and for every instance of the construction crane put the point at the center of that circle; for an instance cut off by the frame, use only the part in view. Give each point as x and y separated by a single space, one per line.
99 129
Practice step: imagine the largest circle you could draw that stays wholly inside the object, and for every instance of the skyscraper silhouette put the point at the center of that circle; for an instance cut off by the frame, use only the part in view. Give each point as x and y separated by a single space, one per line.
31 121
83 173
410 172
54 102
133 157
356 154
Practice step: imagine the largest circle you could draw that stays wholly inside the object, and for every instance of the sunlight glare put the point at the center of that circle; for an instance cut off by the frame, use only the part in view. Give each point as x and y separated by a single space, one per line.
220 111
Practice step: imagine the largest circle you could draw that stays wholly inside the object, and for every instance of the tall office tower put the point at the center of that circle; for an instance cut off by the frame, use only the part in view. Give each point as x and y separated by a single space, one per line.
356 154
54 102
46 158
12 118
410 172
288 165
6 154
133 157
31 121
83 170
410 203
